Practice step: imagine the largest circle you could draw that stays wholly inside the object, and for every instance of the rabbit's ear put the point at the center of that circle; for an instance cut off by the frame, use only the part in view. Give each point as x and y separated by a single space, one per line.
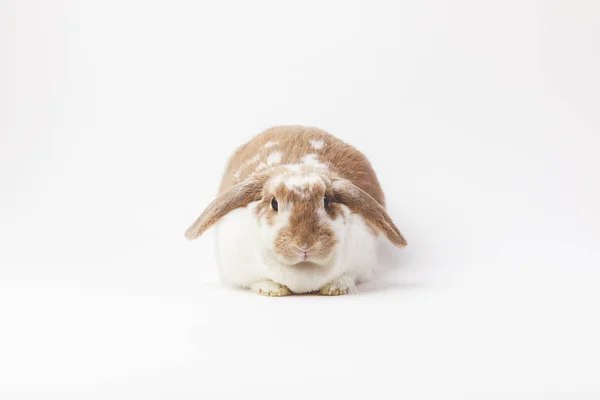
238 196
362 203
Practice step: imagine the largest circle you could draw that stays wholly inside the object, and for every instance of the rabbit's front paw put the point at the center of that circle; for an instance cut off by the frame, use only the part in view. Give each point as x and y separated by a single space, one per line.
270 288
339 286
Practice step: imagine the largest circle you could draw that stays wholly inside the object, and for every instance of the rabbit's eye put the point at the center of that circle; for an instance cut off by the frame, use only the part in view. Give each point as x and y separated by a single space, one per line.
274 204
326 201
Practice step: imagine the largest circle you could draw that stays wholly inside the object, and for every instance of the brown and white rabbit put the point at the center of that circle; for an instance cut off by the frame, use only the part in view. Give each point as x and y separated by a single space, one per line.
298 211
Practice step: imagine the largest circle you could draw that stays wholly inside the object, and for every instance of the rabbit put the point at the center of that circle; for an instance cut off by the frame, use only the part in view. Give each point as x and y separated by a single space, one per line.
298 211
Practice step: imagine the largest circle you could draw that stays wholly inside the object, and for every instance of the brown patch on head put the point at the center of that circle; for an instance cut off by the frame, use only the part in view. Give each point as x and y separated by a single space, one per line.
300 196
308 230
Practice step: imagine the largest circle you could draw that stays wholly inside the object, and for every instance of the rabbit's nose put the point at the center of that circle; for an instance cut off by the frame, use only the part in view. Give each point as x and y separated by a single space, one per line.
302 251
303 248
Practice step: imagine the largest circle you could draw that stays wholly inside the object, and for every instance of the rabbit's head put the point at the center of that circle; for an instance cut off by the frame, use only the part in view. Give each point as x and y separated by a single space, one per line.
301 211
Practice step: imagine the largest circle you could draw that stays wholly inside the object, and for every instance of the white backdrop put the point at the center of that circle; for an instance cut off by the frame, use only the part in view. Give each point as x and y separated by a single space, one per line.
480 118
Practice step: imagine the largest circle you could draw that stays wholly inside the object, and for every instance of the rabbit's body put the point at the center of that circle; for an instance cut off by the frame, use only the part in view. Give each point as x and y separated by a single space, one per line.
298 211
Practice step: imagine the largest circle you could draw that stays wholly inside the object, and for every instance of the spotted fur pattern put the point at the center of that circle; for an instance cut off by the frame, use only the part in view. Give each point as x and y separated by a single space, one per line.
298 145
292 201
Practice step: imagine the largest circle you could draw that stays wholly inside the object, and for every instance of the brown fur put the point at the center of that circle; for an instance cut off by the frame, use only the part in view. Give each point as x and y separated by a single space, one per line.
237 196
349 179
294 143
361 202
305 230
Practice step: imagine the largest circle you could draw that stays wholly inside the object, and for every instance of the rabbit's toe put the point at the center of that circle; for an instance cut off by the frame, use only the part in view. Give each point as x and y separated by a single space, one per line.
270 288
339 286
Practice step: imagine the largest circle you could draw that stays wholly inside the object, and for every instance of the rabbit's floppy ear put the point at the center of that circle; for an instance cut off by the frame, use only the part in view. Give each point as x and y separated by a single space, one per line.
362 203
238 196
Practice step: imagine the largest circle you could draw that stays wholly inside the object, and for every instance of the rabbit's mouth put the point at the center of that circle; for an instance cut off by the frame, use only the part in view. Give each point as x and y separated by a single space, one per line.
306 267
304 258
307 264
